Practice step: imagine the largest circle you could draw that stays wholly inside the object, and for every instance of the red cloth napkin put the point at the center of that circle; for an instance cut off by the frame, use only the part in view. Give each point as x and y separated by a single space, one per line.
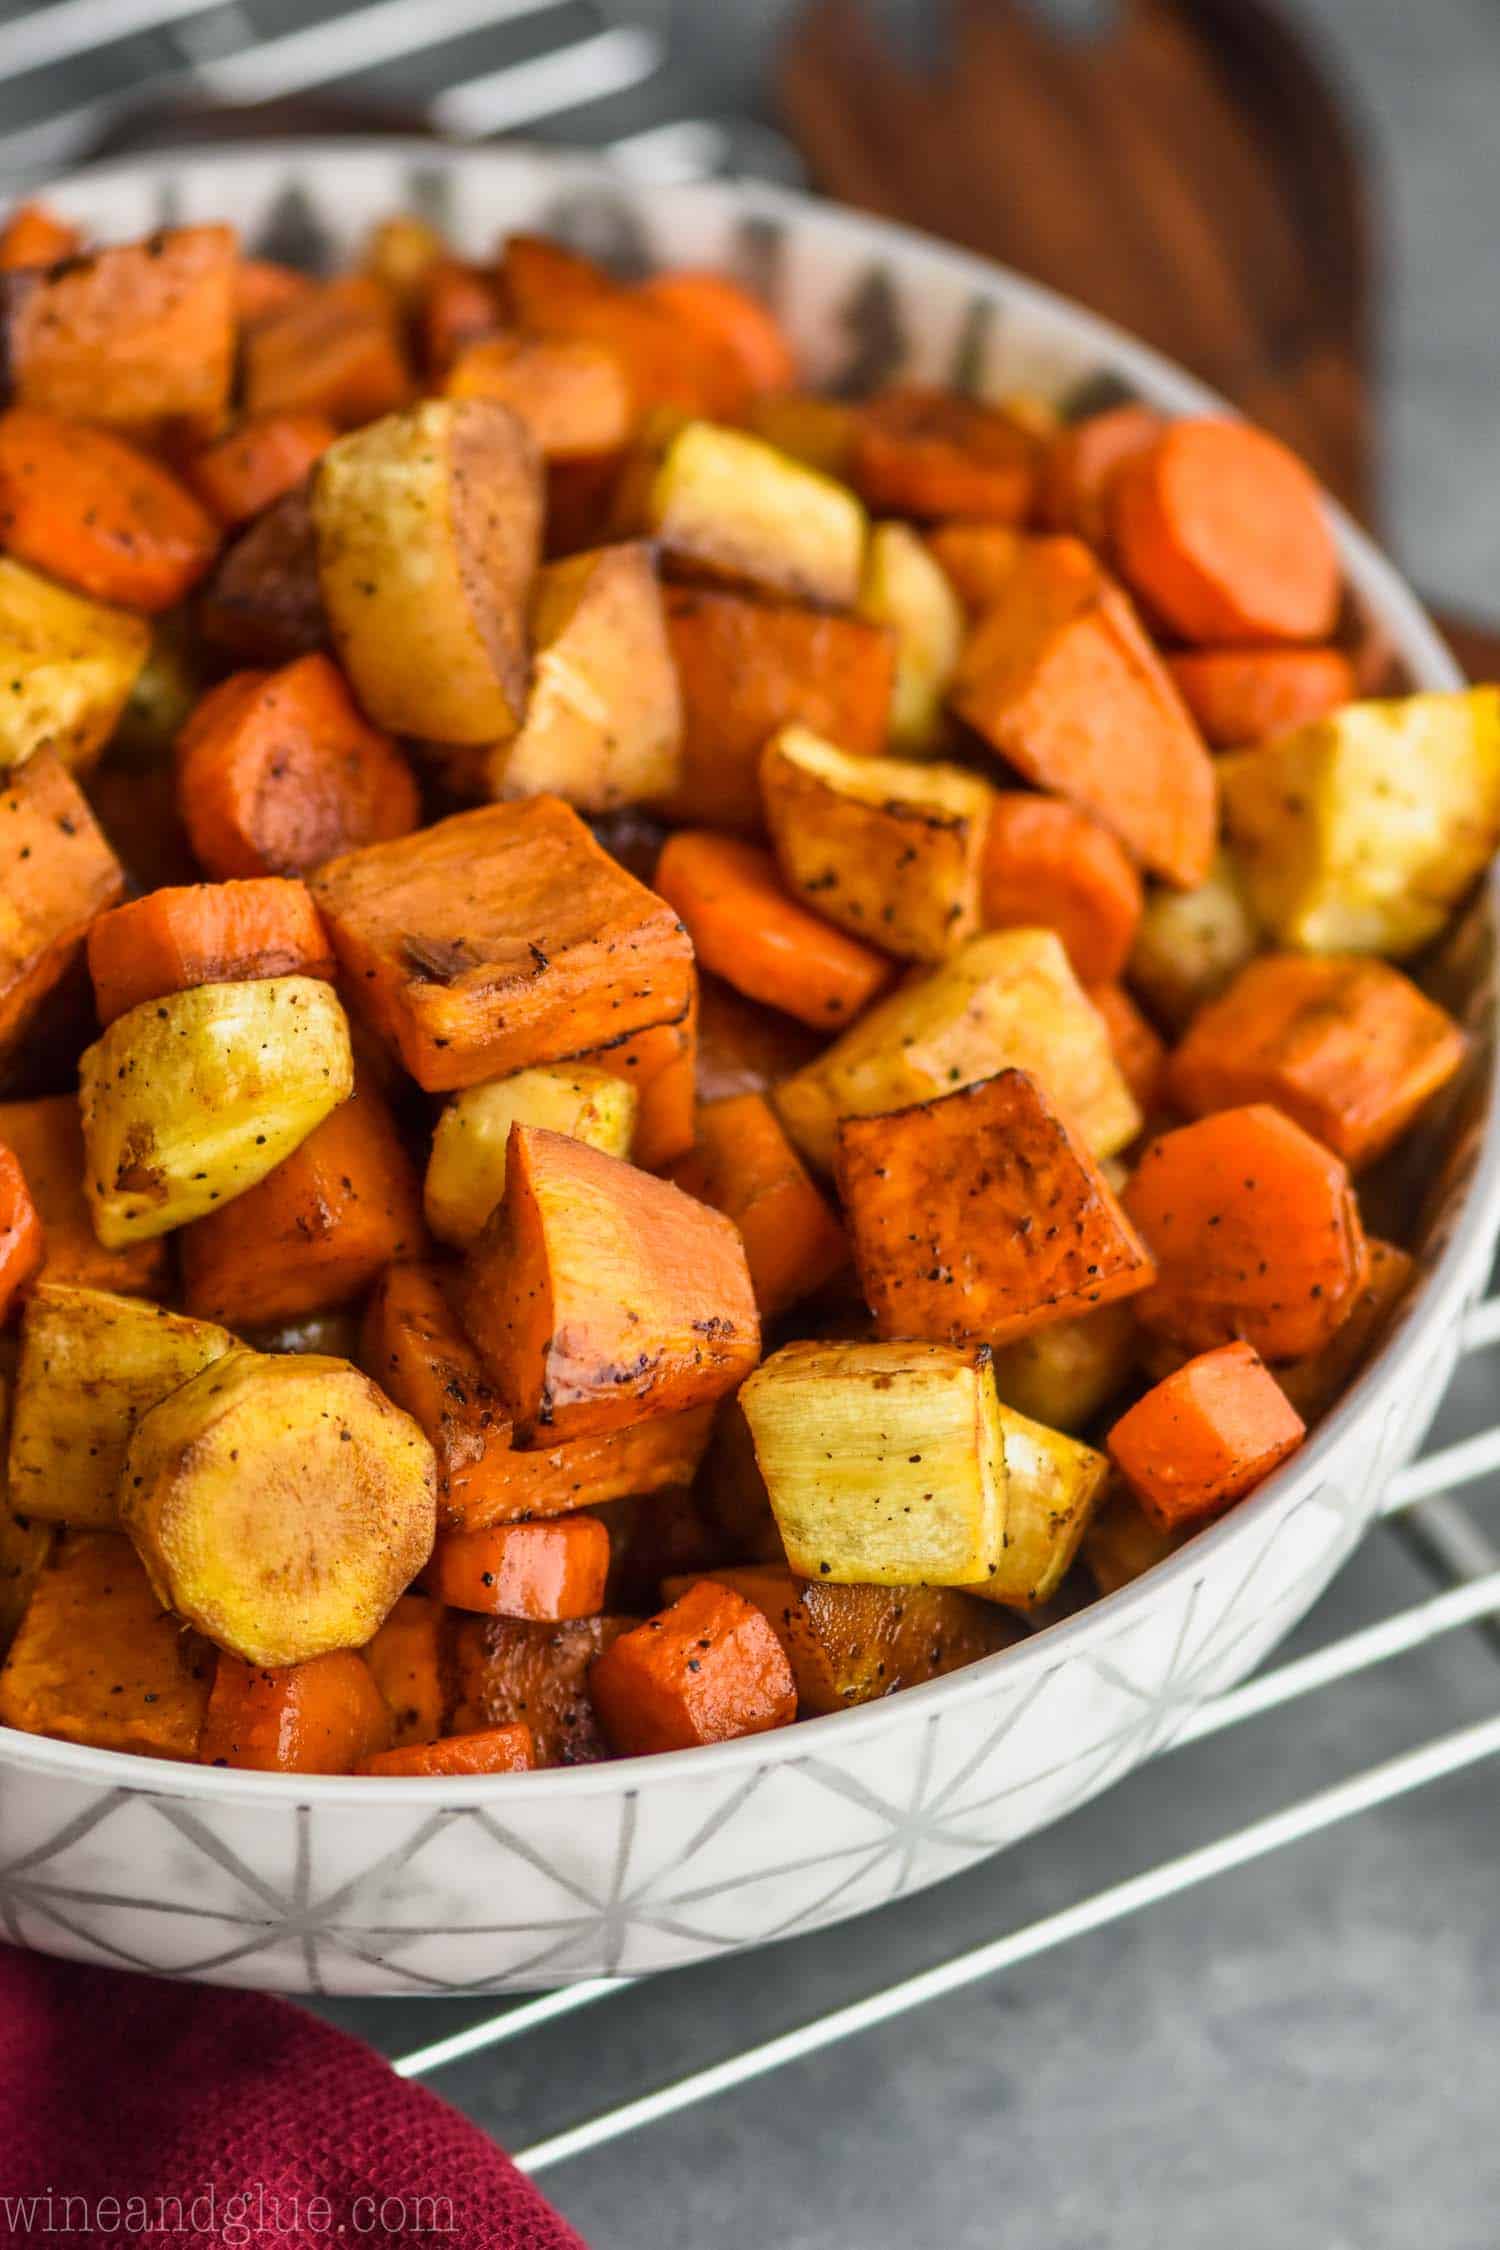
173 2113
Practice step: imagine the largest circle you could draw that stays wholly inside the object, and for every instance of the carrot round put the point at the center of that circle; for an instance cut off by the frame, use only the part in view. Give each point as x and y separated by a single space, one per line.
1205 1437
1222 533
244 472
1048 864
1246 695
204 933
744 1165
746 929
86 507
720 309
548 1570
279 771
22 1246
35 236
705 1670
324 1716
1081 464
928 452
508 1749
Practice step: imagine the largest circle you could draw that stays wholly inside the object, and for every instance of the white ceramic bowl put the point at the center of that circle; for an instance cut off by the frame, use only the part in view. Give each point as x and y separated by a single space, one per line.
337 1885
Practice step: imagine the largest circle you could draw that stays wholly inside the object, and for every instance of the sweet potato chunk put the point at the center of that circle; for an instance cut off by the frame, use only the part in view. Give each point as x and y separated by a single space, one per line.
56 873
1205 1437
508 1671
982 1215
725 506
466 1170
332 350
600 1295
280 1504
1081 464
1138 1048
21 1242
1255 1231
204 933
708 1669
98 1660
573 396
73 661
323 1716
544 1571
408 1659
33 235
744 1165
669 362
263 603
501 938
47 1137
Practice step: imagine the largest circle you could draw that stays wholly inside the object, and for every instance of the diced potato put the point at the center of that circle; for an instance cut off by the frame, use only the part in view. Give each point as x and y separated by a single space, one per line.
1006 1001
904 587
281 1505
190 1099
1053 1485
428 529
603 727
466 1170
91 1365
726 505
24 1546
885 1463
1065 1374
888 849
1360 833
69 665
1189 945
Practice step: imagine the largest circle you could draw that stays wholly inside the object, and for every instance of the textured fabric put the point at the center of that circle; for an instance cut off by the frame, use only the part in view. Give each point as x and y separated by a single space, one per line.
175 2113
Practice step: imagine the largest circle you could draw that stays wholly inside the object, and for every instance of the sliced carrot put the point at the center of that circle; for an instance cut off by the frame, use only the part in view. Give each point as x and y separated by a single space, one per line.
491 1750
1048 865
89 509
556 292
204 933
56 873
747 929
1255 1232
408 1658
1246 695
744 1165
324 1716
977 559
1223 535
334 351
22 1245
35 236
261 286
661 1064
1082 462
243 473
1205 1437
706 1670
544 1570
1139 1050
744 1048
1319 1382
316 1231
731 316
458 305
1347 1046
280 771
928 452
573 397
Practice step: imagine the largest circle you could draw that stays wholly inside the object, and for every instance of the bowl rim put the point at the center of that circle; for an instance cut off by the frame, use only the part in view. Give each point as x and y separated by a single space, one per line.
1432 667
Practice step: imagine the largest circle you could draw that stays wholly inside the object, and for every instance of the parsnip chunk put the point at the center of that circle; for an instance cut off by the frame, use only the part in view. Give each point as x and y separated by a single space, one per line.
466 1170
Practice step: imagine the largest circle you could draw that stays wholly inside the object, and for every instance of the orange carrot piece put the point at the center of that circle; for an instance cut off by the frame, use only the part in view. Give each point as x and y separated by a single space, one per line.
324 1716
977 560
279 772
334 351
316 1231
928 452
1060 678
708 1669
1205 1437
1347 1046
458 305
744 1165
46 1137
661 1064
1317 1383
1222 533
1255 1232
408 1662
57 872
548 1570
732 317
1139 1050
205 933
244 472
491 1750
746 928
22 1246
35 236
261 286
744 1048
1081 464
1050 866
553 291
981 1216
1246 695
573 397
747 668
90 510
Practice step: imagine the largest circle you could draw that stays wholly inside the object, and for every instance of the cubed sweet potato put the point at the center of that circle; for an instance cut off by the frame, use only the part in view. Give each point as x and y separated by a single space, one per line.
333 350
1205 1437
56 873
47 1138
573 396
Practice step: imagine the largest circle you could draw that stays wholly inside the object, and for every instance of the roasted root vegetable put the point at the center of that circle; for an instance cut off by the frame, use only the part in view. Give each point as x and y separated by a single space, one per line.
573 396
408 1660
1006 1001
46 1137
887 848
1316 1383
466 1170
91 1365
659 1066
1065 1373
323 1716
1190 944
981 1215
708 1669
1053 1484
1245 695
262 604
204 933
549 1570
1122 1542
669 362
1138 1048
733 321
191 1099
490 1750
428 532
1360 834
930 453
599 1295
332 351
726 506
744 1048
92 511
499 939
507 1671
977 560
744 1165
24 1548
33 235
240 475
1046 865
22 1245
70 664
280 1504
56 873
1205 1437
1081 464
905 588
884 1462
